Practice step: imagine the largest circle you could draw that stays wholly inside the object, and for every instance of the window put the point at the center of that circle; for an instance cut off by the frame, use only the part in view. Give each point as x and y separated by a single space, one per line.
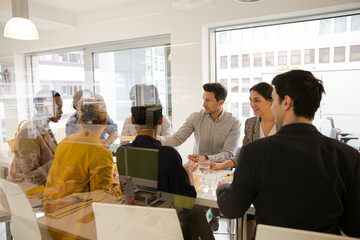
295 57
354 53
223 38
324 55
246 60
355 23
325 26
321 45
257 59
309 56
339 54
245 110
269 59
234 85
223 62
234 61
340 24
245 85
282 58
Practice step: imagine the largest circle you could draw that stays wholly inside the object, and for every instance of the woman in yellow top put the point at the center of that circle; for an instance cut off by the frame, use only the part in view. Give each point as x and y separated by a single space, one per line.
82 165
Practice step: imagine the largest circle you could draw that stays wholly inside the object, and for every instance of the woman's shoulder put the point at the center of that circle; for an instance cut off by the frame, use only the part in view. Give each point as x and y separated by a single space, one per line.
252 120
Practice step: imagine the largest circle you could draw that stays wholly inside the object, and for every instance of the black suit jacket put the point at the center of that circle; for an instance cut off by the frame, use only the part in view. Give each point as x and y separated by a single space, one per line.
297 178
172 176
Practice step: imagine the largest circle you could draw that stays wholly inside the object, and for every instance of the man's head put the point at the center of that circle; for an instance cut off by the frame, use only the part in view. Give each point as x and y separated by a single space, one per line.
214 97
77 97
93 112
48 103
147 117
296 92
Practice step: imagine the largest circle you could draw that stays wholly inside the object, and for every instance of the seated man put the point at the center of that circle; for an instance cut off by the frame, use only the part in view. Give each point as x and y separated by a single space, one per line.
172 176
82 165
297 178
110 133
35 143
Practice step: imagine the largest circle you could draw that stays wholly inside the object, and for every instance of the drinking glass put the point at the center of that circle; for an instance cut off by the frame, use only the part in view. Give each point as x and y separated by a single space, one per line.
204 165
209 178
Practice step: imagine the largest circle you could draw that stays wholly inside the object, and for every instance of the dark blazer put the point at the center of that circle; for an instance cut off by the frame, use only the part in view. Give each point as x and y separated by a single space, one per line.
297 178
172 176
252 129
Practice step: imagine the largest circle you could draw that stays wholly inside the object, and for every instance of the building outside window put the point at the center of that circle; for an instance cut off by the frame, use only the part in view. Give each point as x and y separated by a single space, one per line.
282 58
291 41
355 53
339 54
234 61
295 57
309 56
223 62
245 110
234 85
235 109
355 23
325 26
223 38
324 55
269 59
257 59
245 60
340 24
245 85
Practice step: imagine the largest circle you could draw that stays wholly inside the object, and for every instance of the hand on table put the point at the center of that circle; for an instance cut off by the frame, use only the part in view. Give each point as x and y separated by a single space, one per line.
190 165
196 158
215 166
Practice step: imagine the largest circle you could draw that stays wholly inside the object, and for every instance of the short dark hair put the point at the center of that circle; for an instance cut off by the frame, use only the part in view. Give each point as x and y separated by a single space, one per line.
304 89
147 115
264 89
219 90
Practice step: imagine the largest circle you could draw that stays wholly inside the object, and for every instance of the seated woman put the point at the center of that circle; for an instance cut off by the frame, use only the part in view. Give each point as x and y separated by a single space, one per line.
82 165
259 126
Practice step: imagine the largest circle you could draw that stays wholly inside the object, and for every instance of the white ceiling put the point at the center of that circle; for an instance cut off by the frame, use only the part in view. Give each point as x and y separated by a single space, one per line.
76 6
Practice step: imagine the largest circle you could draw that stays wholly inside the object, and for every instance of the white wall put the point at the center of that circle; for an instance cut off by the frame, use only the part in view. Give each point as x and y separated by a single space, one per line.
188 32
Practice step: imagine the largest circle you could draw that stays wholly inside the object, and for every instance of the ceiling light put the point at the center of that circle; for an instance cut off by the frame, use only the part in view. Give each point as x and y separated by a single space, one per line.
188 5
19 26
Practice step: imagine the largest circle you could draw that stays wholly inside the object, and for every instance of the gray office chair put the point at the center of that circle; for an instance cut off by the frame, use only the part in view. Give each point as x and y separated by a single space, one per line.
337 134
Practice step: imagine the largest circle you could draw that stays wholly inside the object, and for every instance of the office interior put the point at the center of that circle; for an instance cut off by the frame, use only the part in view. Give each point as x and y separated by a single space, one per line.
109 45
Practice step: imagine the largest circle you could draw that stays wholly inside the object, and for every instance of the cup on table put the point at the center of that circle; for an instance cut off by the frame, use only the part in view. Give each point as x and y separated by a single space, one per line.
210 178
204 165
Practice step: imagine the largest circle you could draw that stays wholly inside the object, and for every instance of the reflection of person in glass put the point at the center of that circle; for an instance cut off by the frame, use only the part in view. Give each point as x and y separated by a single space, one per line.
35 143
142 94
108 136
82 165
172 176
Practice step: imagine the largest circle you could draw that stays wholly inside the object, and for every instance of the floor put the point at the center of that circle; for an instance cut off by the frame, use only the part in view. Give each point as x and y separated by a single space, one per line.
221 234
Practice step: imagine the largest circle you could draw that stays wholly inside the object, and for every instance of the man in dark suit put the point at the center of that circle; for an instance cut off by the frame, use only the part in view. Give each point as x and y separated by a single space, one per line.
297 178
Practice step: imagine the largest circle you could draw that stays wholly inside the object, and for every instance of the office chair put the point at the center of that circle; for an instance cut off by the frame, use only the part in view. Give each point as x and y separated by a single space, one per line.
23 222
266 232
337 134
